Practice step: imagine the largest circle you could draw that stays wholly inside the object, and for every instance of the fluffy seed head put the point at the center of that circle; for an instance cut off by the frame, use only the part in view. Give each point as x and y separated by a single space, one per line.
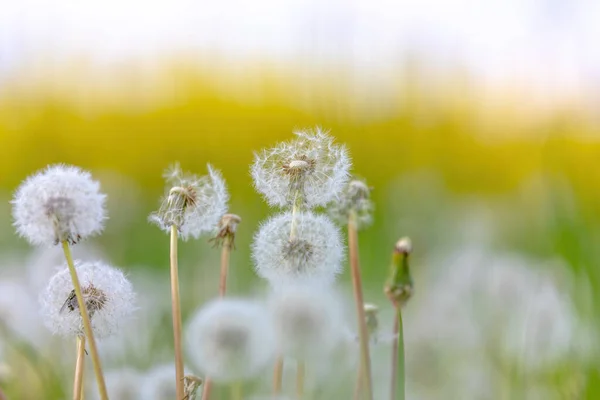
193 204
107 293
310 170
313 253
355 197
57 204
308 320
231 339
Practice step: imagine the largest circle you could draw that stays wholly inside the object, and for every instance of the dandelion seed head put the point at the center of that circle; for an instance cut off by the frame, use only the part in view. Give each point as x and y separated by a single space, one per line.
310 169
121 384
308 320
230 339
59 203
107 293
193 204
314 253
18 310
355 197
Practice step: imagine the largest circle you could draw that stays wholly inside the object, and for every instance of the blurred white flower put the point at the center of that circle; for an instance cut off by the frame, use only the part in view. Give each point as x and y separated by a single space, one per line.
19 312
231 339
309 321
355 197
310 169
159 383
57 204
121 384
314 254
108 296
193 204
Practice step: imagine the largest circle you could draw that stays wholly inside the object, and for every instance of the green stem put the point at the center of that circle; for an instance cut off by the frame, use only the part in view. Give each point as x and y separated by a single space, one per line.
176 310
398 373
87 326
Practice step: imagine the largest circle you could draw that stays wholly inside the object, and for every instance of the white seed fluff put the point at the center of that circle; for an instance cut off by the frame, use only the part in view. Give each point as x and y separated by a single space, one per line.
309 321
159 383
314 254
121 384
311 167
231 339
194 204
355 197
59 203
108 293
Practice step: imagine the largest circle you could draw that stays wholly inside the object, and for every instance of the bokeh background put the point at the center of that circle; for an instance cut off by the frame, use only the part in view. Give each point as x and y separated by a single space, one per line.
476 123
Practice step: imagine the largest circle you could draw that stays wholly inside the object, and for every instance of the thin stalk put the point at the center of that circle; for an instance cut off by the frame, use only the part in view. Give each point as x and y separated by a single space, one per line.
236 391
79 369
176 309
397 388
87 326
360 308
300 378
278 376
358 387
225 254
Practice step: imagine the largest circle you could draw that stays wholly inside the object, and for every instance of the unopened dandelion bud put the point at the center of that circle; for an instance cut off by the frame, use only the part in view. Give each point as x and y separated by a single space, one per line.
313 253
191 384
226 230
193 204
61 203
230 340
108 297
354 199
308 171
399 287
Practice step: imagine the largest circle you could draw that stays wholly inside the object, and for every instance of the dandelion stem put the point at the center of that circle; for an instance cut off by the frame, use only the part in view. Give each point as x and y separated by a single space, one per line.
300 377
79 369
397 388
236 391
278 376
176 309
87 326
225 253
360 308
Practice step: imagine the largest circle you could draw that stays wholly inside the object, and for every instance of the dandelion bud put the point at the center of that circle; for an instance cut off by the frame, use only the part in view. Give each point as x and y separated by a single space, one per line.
399 287
60 203
313 253
310 170
404 246
108 296
371 316
231 340
193 204
356 198
308 321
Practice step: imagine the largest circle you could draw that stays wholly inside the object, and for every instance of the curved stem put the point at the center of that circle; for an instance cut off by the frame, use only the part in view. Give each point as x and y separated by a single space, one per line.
87 326
79 368
360 308
398 379
176 310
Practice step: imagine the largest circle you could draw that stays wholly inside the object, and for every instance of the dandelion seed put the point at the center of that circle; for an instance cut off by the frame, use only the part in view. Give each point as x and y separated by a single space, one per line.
60 203
107 293
193 204
314 254
308 321
355 197
231 340
310 170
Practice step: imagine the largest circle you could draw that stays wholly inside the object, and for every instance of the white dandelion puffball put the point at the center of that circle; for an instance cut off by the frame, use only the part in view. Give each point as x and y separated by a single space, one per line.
108 296
310 169
355 197
313 253
121 384
309 321
60 203
193 204
231 339
159 383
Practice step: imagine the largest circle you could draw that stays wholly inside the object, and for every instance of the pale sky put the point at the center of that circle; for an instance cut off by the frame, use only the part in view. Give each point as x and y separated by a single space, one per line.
546 42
